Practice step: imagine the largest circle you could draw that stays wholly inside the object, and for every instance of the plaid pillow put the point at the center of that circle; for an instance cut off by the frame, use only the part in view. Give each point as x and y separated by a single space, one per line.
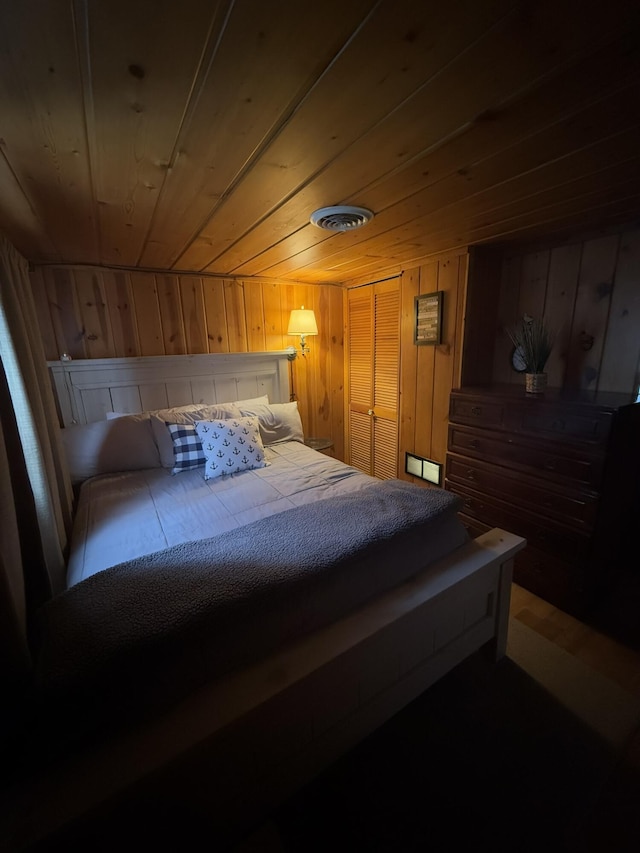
187 448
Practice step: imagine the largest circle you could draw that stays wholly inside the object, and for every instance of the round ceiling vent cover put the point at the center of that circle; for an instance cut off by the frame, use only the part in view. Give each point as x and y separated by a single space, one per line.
341 217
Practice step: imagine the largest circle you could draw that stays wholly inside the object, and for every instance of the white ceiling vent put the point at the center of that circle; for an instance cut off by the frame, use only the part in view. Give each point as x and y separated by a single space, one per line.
341 217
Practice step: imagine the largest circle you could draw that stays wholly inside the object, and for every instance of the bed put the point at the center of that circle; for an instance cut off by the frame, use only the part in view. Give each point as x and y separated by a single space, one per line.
227 632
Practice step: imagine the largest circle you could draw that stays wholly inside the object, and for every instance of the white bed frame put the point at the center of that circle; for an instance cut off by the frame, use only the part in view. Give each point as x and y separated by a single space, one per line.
86 389
236 749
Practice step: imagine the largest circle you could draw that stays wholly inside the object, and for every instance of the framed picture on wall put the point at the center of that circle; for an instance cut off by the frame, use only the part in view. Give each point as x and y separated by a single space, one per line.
428 328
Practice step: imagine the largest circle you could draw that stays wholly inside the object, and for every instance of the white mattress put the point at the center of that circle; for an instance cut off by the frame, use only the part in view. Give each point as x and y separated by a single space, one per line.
126 515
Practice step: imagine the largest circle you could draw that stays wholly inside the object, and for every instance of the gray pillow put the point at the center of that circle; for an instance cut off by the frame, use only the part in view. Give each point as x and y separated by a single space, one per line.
184 415
103 447
278 421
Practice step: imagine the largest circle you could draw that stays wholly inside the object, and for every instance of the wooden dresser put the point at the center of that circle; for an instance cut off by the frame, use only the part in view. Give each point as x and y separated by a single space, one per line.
560 471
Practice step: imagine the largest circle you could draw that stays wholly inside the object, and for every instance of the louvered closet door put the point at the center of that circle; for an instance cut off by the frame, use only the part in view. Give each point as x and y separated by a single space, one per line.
374 361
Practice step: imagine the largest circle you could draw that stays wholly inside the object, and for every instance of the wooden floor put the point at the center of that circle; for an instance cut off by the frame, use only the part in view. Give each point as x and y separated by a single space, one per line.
614 817
601 652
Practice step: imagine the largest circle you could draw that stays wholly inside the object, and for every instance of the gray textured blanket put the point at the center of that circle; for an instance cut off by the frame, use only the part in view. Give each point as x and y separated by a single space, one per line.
148 630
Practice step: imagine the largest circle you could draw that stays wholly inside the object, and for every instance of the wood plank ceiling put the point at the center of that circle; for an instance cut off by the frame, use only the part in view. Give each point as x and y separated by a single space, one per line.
200 135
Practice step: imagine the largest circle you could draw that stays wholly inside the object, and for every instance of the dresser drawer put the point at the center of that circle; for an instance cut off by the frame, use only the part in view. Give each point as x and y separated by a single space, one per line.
564 424
474 527
527 455
468 410
545 534
571 507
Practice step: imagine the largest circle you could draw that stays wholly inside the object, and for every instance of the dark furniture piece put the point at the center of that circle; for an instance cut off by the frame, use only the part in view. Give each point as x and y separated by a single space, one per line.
560 470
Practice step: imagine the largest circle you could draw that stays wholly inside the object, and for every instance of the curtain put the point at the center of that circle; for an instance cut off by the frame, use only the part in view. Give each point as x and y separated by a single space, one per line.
24 580
14 646
32 401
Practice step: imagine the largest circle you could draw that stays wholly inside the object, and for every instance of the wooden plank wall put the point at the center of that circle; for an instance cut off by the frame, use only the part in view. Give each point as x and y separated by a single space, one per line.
99 312
589 292
428 373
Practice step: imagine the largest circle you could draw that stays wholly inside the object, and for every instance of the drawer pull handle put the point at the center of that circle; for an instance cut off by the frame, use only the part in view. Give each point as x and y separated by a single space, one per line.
468 503
476 410
475 444
471 474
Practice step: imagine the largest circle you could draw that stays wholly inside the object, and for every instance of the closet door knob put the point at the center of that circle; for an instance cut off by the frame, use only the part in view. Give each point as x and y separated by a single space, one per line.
370 412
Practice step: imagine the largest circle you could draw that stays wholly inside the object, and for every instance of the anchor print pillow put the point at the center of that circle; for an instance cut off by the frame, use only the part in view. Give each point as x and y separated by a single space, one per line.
230 446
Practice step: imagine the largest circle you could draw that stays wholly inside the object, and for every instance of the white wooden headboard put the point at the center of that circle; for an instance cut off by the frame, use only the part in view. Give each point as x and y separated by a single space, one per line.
86 389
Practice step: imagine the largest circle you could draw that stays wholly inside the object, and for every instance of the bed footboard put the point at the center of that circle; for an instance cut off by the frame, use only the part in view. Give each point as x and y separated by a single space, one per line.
237 748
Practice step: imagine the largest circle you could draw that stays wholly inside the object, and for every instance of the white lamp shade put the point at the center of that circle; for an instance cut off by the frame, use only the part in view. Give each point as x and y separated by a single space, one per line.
302 322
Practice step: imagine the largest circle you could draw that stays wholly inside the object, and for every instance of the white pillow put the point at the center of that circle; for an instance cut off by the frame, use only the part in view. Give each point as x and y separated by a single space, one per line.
254 401
278 422
184 415
103 447
230 446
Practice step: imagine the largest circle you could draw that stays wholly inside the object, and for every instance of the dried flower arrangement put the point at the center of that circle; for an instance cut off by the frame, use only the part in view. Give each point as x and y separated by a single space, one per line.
534 341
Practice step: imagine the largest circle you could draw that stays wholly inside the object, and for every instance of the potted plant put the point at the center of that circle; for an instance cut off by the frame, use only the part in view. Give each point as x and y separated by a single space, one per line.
533 342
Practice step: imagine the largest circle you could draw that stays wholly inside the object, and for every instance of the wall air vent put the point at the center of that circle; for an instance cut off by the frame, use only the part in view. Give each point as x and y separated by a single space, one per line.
341 217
